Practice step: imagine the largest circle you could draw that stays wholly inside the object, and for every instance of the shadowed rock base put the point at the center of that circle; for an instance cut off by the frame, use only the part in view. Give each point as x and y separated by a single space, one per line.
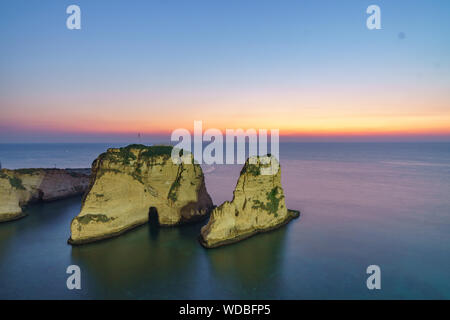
12 217
292 214
106 236
129 228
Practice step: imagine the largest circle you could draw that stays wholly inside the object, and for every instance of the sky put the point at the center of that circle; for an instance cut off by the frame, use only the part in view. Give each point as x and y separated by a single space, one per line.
311 69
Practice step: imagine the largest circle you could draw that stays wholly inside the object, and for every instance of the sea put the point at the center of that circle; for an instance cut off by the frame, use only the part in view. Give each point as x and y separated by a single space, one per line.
362 204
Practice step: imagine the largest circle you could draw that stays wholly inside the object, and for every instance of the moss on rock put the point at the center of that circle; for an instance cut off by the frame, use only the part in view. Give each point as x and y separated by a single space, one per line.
273 203
94 217
14 181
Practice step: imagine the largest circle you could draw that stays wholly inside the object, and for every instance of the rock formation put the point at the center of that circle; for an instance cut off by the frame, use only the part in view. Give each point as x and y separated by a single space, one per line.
21 187
258 205
129 184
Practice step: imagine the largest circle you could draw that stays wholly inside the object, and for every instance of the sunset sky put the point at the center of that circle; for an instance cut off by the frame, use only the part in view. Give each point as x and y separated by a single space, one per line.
309 68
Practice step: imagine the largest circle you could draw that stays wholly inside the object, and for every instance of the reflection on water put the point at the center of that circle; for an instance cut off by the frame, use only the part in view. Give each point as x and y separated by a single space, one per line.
147 262
5 238
252 266
143 261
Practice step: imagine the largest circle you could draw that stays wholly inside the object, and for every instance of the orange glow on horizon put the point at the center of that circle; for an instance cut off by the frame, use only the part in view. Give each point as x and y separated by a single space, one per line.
307 115
284 132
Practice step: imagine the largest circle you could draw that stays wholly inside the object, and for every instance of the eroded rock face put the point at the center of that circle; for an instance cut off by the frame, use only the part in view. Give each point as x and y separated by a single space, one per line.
21 187
258 205
129 183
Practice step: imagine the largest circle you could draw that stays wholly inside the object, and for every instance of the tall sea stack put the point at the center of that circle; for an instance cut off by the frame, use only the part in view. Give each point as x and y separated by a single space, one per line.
258 205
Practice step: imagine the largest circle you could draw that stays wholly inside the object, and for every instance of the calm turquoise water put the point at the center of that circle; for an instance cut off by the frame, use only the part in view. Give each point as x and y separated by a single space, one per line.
362 204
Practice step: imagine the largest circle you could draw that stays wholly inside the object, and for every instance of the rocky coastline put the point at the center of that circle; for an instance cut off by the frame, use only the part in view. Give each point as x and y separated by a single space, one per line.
22 187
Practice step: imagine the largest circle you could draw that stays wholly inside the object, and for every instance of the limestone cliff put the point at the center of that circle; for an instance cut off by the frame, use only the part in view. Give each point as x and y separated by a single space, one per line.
21 187
258 205
128 184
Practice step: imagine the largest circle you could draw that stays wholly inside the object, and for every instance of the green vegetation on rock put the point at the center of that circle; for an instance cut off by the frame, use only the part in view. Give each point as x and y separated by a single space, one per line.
101 171
13 181
155 151
28 171
94 217
175 185
16 183
273 202
136 146
137 176
252 169
126 155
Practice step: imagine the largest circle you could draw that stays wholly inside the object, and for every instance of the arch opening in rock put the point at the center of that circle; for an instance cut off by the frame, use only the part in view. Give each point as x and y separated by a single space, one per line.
153 220
153 217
